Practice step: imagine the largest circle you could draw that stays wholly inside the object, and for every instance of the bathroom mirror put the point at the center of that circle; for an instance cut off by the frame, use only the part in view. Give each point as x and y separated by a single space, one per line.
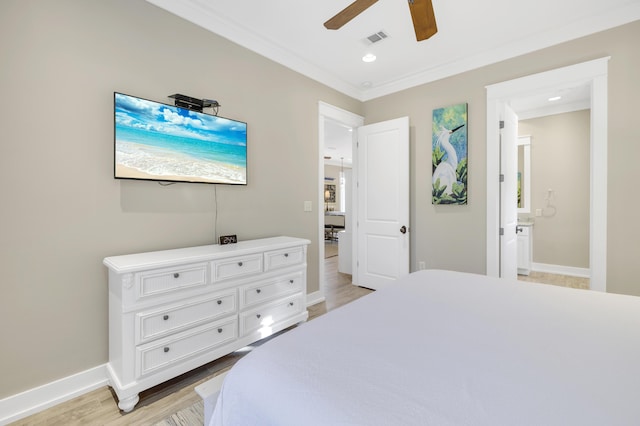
524 174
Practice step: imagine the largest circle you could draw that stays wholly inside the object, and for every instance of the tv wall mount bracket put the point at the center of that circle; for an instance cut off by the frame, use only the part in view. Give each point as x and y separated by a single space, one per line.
195 104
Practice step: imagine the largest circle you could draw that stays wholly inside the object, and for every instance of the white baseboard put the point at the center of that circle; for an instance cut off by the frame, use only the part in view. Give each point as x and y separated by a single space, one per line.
562 270
34 400
315 297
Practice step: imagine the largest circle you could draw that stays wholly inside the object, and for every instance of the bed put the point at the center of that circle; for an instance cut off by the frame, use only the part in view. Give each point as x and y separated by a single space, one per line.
448 348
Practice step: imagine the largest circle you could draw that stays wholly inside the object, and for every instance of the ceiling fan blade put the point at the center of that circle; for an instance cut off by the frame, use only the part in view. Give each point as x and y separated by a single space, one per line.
424 20
348 13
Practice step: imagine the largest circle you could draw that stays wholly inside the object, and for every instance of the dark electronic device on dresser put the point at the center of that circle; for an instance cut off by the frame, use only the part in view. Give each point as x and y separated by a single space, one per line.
228 239
161 142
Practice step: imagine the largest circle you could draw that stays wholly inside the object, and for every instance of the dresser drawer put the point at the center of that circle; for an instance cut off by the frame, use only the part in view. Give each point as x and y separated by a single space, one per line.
172 319
236 267
175 349
263 317
256 293
282 258
167 280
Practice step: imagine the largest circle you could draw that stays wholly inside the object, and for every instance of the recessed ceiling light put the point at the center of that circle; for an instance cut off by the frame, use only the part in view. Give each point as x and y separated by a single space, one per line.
369 57
555 98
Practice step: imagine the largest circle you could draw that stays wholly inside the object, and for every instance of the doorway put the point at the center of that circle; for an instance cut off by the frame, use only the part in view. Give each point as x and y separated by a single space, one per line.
555 222
379 217
328 115
593 73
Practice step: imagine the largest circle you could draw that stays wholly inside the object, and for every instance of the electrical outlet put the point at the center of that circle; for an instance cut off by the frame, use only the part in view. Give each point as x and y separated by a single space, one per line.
422 265
538 212
307 206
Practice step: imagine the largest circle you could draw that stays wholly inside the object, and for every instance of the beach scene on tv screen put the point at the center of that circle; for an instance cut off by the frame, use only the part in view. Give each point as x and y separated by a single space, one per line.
163 142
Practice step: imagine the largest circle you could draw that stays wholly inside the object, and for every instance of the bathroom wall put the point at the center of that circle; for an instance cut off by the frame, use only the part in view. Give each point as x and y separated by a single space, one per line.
560 187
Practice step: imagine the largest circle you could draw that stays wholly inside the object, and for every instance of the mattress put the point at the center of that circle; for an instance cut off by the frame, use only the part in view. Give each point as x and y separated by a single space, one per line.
448 348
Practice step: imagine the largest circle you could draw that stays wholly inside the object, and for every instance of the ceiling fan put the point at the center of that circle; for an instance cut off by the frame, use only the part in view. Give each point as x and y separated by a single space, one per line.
424 20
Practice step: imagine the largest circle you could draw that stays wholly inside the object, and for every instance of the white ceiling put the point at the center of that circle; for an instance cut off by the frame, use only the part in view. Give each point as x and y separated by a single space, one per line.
471 34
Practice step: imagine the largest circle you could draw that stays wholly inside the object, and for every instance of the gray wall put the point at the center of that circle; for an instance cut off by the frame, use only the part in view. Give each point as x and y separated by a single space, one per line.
62 211
454 237
560 161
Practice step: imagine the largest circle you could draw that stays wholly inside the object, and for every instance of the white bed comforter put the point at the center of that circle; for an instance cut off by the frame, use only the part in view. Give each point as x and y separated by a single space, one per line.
447 348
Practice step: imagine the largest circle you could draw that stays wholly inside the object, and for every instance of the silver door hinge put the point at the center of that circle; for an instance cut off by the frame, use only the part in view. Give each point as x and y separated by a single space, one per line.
502 124
501 231
501 178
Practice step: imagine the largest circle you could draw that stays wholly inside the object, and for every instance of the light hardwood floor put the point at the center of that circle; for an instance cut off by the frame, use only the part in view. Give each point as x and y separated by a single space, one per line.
555 279
100 406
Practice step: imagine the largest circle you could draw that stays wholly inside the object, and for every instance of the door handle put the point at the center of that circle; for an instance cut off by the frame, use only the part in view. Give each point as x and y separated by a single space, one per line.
403 229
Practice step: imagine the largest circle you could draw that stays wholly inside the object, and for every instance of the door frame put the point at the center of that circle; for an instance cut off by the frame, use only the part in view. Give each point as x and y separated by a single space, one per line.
594 73
329 112
508 191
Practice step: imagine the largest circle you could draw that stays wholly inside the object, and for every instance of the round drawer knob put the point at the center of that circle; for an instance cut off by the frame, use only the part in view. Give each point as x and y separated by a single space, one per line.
290 303
176 275
165 317
219 330
258 316
286 255
219 302
166 350
290 281
258 291
239 263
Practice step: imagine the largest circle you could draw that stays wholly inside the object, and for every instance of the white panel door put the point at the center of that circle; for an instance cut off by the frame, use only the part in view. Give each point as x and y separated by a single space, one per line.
382 203
509 194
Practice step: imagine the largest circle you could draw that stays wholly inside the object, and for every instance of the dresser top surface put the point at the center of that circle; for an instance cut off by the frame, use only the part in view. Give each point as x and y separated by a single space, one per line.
156 259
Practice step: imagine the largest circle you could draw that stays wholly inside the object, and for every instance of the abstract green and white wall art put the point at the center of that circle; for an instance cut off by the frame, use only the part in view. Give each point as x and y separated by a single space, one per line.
449 155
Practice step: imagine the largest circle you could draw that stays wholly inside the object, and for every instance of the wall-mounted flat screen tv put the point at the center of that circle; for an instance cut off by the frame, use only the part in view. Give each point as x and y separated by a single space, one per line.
160 142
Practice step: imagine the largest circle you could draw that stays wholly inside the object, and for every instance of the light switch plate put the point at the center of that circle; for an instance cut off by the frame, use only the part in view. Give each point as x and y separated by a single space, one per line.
307 206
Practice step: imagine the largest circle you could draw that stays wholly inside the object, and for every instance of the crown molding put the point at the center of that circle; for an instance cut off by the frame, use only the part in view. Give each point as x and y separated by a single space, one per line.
199 13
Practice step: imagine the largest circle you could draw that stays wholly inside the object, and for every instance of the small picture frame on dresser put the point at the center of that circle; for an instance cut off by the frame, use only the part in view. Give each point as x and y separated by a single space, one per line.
228 239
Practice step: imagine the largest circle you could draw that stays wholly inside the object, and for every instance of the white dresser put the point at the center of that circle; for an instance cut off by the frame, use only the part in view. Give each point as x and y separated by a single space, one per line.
174 310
